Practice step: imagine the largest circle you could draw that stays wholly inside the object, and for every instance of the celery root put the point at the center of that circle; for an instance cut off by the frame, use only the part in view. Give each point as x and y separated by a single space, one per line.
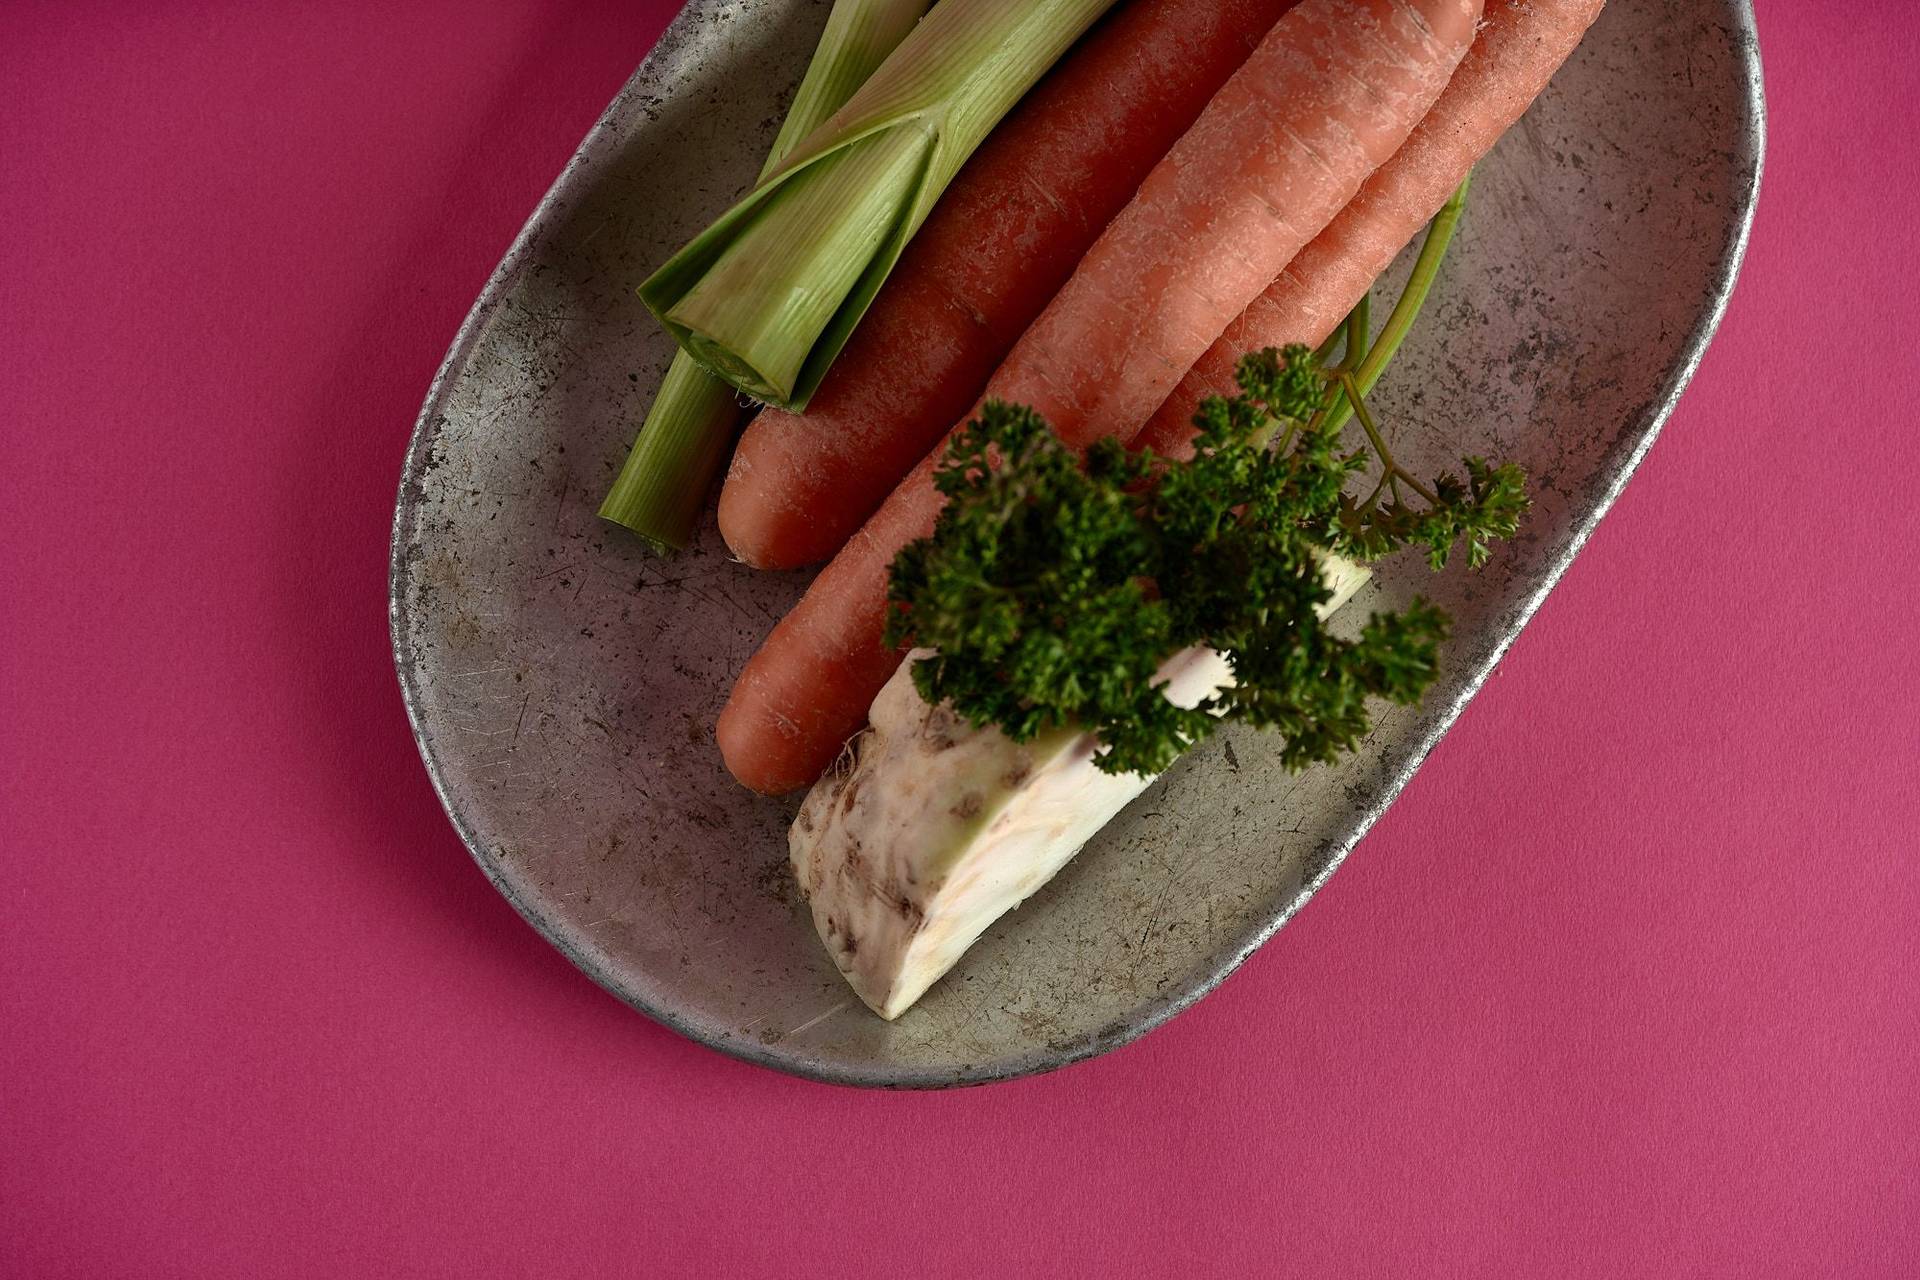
934 829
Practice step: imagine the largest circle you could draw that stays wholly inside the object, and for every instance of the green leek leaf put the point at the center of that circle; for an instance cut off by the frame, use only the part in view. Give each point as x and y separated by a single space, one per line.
683 442
768 295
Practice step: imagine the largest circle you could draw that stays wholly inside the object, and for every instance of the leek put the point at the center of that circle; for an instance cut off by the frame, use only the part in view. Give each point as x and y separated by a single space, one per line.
684 440
768 295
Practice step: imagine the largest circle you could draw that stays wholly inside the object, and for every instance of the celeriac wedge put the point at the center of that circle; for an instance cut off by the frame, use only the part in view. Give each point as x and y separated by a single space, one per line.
932 829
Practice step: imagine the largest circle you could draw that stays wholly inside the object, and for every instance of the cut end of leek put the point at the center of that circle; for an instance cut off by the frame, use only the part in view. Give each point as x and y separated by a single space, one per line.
768 295
683 444
718 358
796 269
663 486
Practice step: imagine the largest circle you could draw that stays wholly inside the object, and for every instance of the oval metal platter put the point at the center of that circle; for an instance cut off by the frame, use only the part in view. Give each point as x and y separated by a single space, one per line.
563 681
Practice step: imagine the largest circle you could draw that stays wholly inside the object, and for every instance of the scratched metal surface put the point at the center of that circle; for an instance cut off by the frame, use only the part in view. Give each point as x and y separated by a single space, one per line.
563 682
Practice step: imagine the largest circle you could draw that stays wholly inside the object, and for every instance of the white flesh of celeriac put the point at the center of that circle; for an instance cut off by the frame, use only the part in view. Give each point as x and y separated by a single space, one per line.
931 829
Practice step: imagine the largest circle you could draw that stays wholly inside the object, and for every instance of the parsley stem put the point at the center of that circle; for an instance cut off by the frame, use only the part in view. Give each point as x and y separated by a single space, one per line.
1359 324
1373 499
1393 468
1351 336
1426 268
1323 354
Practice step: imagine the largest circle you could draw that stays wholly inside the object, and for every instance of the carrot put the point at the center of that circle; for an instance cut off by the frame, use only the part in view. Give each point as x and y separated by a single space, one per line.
1330 94
1520 45
996 249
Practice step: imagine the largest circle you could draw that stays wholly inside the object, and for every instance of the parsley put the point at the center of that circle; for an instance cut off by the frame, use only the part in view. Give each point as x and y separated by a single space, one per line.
1054 587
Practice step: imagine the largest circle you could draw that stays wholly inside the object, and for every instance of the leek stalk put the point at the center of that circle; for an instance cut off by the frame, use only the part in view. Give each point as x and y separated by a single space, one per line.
768 295
683 442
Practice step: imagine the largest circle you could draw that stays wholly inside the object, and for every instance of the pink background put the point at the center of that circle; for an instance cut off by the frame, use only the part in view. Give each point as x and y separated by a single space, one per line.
1626 983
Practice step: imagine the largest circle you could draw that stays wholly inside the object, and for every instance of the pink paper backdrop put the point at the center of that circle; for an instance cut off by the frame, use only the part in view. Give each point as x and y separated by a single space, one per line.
1626 984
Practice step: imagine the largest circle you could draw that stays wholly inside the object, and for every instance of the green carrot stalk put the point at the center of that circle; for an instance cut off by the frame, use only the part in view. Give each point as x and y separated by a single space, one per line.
769 294
683 443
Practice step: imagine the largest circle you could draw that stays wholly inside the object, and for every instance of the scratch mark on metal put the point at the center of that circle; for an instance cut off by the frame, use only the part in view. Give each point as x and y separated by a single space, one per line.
815 1021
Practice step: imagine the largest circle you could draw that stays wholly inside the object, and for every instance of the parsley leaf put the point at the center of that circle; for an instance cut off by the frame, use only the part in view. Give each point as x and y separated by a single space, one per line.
1053 587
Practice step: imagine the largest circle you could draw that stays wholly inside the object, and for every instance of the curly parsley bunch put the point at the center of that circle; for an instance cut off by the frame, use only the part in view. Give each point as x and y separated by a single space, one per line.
1054 587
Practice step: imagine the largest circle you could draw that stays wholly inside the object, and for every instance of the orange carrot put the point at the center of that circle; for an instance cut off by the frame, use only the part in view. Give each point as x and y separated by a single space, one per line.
1002 241
1520 45
1330 95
